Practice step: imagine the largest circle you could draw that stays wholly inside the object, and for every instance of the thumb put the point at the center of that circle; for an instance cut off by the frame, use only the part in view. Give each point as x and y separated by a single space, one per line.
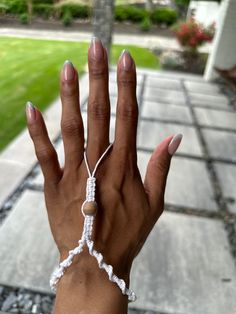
157 171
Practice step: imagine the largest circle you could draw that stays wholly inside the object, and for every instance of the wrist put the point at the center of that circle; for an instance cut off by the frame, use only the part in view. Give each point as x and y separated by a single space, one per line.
86 287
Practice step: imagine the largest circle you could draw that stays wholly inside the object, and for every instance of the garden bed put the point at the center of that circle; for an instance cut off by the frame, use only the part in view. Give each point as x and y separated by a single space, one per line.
83 26
178 61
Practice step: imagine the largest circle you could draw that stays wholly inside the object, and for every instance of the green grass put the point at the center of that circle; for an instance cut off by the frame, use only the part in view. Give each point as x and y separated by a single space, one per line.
143 57
29 70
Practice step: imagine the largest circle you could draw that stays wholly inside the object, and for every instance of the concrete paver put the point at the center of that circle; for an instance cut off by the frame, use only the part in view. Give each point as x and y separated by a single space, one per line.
12 174
161 82
30 254
227 177
186 268
188 183
221 144
205 99
158 94
202 87
152 133
216 118
158 110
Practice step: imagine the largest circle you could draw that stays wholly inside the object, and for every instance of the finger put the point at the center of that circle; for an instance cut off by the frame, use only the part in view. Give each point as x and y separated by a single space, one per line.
157 171
44 149
127 108
71 122
98 102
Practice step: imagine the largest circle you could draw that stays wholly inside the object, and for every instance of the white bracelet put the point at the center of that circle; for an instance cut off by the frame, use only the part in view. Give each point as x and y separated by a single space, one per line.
89 208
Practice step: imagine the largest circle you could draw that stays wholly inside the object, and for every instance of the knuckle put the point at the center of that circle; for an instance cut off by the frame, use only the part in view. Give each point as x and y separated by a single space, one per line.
127 111
71 127
68 90
99 110
35 131
45 154
126 80
162 166
97 71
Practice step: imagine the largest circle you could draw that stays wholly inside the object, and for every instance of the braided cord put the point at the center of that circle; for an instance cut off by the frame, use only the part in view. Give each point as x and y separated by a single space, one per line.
86 239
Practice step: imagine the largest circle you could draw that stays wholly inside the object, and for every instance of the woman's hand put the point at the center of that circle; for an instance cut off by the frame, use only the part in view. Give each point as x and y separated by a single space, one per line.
127 208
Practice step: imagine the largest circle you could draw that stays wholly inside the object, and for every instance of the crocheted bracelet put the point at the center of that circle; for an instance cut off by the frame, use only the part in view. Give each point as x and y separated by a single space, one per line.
89 209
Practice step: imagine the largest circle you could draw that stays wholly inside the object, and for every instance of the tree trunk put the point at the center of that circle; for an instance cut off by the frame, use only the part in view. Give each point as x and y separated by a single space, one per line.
30 9
103 15
149 5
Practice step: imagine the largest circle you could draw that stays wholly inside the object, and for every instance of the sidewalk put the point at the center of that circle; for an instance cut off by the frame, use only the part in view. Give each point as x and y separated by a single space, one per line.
187 265
148 41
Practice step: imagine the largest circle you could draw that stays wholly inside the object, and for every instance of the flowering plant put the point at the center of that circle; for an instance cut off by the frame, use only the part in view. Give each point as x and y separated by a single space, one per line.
192 34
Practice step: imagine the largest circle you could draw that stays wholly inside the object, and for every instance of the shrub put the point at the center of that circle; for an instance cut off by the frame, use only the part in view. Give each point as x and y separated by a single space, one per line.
191 34
76 10
43 2
121 13
24 18
145 25
16 6
165 16
67 18
43 10
130 13
3 8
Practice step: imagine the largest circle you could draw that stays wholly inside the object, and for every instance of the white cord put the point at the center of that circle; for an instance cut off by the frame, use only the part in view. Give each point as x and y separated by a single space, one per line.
86 238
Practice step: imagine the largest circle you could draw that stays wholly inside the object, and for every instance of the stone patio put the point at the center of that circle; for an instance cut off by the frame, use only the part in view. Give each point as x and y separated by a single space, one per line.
187 265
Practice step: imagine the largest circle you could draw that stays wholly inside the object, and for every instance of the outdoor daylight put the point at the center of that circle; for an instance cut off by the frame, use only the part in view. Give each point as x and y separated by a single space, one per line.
118 156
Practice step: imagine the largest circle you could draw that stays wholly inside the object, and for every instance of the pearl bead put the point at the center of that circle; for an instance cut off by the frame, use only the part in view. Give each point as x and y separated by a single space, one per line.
90 208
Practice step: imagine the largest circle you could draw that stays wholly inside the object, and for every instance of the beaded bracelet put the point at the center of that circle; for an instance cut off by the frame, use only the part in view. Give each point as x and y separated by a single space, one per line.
89 209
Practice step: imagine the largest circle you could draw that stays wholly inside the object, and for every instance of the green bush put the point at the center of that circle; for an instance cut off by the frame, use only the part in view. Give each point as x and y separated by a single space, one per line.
42 2
76 10
146 24
24 18
130 13
166 16
43 10
16 6
67 18
182 3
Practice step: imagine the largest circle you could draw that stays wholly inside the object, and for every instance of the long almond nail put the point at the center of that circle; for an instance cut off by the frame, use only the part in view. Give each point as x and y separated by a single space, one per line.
30 112
68 71
126 60
174 144
96 49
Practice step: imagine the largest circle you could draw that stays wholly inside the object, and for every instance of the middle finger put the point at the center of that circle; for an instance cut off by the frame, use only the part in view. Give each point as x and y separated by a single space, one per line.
98 102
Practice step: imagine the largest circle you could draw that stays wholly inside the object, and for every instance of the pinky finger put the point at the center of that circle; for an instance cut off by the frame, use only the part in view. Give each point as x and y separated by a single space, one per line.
44 149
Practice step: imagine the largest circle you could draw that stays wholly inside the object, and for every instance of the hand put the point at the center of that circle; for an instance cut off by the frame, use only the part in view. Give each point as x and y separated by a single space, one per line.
127 208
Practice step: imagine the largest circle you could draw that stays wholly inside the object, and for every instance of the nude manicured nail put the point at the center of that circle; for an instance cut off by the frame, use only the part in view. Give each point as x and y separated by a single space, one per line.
174 144
68 71
96 49
126 60
30 112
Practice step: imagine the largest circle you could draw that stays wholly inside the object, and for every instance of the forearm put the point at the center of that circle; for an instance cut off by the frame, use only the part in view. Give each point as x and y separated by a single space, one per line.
85 288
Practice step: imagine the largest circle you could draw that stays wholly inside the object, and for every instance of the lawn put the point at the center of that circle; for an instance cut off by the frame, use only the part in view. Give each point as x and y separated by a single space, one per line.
29 70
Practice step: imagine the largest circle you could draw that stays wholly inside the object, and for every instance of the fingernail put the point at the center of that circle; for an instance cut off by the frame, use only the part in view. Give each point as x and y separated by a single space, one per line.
68 71
30 112
126 60
174 144
96 49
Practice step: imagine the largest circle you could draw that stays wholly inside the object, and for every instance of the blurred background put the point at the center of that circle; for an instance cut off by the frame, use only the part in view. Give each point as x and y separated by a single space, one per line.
185 53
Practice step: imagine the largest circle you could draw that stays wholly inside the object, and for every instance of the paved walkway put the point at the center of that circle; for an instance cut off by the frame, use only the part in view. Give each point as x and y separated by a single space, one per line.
187 265
148 41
